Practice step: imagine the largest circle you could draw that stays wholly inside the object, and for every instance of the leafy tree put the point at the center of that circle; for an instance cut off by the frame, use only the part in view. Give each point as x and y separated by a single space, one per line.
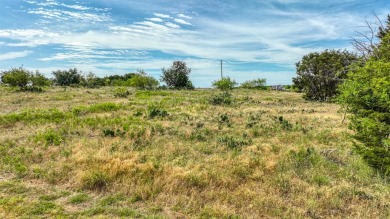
319 74
66 78
255 84
225 84
142 81
177 76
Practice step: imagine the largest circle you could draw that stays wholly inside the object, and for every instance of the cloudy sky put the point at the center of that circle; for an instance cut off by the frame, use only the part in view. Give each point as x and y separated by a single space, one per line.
255 38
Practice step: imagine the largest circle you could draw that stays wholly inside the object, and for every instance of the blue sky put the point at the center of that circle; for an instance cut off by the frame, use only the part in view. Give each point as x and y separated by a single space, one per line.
255 38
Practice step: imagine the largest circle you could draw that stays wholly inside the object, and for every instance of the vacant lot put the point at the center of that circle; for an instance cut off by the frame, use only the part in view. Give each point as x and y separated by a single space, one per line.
172 154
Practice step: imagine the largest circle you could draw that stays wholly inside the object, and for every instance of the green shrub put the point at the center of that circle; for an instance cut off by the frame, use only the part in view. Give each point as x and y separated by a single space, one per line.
142 81
366 96
224 98
225 84
255 84
121 92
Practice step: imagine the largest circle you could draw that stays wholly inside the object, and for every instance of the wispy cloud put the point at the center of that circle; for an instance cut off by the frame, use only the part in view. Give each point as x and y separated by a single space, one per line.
184 16
14 55
181 21
162 15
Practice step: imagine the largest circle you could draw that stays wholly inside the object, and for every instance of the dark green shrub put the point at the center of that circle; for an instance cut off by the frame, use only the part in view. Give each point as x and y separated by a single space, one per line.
155 111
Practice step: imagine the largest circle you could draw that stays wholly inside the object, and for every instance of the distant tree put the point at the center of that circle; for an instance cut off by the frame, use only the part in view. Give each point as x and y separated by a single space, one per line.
38 80
225 84
67 77
255 84
91 80
177 76
141 80
319 74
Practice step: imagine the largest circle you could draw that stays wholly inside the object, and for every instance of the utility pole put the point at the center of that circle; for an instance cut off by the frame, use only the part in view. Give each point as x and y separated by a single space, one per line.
221 71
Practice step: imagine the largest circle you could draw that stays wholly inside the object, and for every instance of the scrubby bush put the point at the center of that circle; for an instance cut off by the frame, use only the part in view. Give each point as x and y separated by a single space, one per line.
121 92
224 98
225 84
255 84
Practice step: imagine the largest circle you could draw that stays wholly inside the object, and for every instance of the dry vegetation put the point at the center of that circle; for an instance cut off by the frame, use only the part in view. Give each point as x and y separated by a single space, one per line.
171 154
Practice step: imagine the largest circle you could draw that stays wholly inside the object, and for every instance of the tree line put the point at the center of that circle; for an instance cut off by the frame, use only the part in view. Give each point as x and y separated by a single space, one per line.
175 77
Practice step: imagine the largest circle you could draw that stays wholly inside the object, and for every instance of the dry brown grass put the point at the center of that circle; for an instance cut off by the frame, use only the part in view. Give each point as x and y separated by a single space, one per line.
193 163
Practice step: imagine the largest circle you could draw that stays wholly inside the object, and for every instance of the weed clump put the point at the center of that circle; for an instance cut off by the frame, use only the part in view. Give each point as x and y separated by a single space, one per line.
121 92
49 137
233 142
112 133
286 125
95 181
155 111
224 98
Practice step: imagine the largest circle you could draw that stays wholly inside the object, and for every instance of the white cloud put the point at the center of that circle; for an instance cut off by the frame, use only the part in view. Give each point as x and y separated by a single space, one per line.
181 21
14 55
162 15
155 19
184 16
169 24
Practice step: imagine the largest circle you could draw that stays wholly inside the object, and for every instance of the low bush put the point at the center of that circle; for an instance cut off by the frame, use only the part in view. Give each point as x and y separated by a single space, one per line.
121 92
224 98
225 84
255 84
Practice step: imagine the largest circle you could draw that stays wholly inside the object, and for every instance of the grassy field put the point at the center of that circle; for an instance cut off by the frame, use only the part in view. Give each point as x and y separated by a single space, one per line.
84 153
